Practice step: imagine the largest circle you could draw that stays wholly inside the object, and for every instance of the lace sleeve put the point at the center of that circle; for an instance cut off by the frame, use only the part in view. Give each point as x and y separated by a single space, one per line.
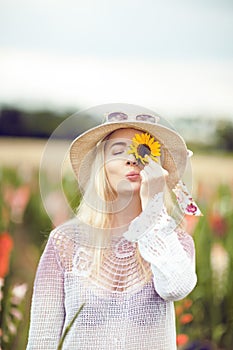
154 212
47 310
172 262
168 249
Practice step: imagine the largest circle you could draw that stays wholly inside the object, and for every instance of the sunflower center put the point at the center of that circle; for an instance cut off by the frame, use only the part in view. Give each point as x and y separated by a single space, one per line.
143 150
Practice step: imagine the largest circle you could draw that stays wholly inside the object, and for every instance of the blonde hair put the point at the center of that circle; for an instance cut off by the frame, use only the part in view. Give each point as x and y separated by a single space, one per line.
95 206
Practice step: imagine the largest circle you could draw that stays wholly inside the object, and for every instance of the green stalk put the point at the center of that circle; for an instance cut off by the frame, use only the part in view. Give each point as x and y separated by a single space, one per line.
69 327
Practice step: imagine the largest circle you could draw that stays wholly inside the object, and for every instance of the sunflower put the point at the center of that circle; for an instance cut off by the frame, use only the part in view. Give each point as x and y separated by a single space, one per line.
143 145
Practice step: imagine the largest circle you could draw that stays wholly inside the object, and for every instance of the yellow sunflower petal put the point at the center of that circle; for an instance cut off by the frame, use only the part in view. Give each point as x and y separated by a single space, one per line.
133 150
143 138
137 138
148 138
144 145
154 158
142 159
150 143
156 144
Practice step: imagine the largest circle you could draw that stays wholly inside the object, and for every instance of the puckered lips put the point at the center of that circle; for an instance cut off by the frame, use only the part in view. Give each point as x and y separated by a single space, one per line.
133 176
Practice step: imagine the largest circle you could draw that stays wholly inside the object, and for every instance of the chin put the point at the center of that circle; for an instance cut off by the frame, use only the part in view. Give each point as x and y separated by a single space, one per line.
130 189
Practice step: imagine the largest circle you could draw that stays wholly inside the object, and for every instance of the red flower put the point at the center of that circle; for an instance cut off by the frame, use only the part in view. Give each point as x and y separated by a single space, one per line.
187 303
179 309
6 245
218 224
186 318
182 339
191 208
17 200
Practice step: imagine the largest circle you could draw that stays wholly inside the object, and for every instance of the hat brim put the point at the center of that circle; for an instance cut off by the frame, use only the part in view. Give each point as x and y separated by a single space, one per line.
174 150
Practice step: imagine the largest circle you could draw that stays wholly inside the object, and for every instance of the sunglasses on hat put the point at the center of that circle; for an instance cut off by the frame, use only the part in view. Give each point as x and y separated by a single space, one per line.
119 116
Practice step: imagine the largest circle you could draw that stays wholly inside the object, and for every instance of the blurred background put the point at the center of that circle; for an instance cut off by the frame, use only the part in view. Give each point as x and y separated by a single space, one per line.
61 57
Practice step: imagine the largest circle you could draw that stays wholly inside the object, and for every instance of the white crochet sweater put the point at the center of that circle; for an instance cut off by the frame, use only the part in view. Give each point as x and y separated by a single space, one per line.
129 303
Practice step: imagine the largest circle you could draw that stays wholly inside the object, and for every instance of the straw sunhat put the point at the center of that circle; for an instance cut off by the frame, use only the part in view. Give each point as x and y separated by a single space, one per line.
174 153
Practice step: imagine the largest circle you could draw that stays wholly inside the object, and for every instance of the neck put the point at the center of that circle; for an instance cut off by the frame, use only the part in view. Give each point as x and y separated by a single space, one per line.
126 209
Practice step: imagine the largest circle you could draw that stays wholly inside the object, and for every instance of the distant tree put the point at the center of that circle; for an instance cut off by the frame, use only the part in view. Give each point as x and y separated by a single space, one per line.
224 135
42 123
11 122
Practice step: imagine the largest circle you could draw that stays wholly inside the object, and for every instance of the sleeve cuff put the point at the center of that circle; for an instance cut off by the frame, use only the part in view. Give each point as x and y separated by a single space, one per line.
152 215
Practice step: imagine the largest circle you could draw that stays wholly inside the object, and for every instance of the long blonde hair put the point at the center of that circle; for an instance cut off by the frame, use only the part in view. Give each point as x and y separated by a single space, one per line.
94 208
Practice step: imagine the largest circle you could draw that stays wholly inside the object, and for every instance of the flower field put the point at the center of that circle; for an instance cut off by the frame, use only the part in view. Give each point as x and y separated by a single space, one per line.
204 318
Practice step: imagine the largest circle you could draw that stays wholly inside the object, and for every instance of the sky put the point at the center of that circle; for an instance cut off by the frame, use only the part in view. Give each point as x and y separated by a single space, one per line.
172 56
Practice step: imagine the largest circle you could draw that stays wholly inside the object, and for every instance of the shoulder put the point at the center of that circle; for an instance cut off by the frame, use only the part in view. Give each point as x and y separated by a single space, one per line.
71 235
73 230
66 231
64 240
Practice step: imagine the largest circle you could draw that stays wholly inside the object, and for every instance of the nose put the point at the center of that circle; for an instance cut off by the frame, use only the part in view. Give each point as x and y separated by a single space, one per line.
131 160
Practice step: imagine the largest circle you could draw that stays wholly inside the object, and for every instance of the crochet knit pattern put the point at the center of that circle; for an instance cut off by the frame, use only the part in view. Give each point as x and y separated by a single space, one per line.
128 301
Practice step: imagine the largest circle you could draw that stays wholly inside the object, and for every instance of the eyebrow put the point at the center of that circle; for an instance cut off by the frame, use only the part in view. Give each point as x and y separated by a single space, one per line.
118 144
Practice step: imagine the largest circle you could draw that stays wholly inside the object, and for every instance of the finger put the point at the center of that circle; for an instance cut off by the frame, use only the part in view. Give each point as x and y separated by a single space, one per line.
155 166
165 172
150 174
143 175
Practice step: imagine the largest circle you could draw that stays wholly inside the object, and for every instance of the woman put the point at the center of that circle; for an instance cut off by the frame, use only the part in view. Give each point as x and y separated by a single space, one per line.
124 256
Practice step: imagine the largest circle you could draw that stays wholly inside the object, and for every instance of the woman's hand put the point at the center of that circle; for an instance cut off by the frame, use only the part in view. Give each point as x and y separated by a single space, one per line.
153 181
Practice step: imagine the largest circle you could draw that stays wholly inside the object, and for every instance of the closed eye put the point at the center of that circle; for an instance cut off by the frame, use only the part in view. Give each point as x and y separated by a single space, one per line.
117 152
118 148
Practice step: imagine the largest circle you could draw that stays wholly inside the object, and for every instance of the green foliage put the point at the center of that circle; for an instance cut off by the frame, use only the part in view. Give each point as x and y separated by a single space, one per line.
212 302
13 307
22 215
